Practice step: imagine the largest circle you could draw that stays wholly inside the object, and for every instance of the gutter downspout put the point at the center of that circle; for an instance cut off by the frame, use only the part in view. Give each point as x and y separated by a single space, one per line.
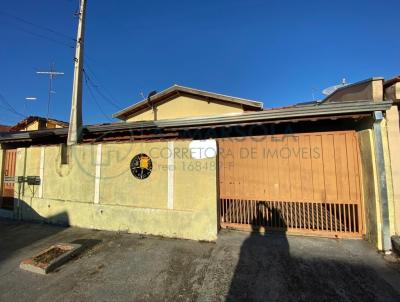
383 192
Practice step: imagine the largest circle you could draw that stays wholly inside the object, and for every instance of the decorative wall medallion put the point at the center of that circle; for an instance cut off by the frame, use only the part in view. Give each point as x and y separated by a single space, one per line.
141 166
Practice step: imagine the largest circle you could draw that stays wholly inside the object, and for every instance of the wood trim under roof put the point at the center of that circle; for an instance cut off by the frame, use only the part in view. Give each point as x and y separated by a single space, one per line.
177 90
351 109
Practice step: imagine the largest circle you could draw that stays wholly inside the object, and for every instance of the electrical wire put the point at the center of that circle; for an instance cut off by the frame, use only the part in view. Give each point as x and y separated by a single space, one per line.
42 36
88 81
106 98
94 98
37 25
109 97
10 111
106 95
9 108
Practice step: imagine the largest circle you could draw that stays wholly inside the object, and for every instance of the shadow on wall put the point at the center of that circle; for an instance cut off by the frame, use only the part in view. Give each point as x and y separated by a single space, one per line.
266 271
13 236
23 211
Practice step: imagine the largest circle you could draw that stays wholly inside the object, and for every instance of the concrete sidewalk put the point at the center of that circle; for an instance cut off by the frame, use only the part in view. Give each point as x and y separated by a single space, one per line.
240 266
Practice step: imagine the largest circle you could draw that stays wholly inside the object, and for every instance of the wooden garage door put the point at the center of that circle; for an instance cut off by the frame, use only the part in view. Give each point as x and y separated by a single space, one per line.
302 183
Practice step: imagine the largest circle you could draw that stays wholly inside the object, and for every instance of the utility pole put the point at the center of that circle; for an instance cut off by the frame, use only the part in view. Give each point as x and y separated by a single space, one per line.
75 120
52 74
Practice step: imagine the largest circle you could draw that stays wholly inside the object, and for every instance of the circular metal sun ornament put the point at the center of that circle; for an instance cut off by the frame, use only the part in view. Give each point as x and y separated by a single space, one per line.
141 166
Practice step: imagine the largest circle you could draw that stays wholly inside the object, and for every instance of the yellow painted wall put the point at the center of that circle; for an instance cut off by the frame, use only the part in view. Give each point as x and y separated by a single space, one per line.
393 93
73 181
125 203
185 169
32 126
31 169
370 188
393 130
35 126
119 187
389 180
373 215
51 125
184 106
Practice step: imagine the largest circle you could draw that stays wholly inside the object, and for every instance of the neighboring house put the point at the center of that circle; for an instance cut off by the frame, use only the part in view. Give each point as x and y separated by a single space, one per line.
178 102
31 123
392 92
38 123
187 162
4 128
377 89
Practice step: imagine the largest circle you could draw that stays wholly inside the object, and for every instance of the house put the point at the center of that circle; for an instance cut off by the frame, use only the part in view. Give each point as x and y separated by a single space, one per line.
183 102
31 123
185 163
4 128
378 89
38 123
392 92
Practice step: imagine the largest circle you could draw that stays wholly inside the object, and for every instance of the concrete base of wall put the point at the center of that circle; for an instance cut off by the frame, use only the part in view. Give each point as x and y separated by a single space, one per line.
193 225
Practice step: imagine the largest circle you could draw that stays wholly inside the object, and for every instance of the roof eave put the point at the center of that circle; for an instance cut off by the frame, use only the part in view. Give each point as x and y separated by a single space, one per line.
285 114
124 113
352 85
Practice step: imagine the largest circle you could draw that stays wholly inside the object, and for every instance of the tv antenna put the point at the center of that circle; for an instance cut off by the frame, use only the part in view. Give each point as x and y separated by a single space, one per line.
332 89
52 74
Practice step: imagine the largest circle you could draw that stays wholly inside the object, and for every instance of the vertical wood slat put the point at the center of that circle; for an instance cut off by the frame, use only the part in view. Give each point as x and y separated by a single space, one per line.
266 176
333 180
9 170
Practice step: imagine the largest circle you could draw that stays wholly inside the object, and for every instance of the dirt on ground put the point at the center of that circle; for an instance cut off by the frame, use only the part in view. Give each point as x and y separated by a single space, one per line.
48 256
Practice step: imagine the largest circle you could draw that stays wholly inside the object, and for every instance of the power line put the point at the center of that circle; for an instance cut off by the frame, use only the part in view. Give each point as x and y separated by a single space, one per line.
110 96
36 25
43 37
10 111
106 98
10 108
94 97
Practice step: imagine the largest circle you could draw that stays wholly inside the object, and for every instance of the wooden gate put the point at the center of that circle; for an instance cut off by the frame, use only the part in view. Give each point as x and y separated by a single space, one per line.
303 183
8 178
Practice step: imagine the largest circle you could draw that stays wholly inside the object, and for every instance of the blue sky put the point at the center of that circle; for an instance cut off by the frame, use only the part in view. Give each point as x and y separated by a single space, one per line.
278 52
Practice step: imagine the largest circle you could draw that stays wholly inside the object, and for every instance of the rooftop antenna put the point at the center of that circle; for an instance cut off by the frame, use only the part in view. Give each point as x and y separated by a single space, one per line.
52 74
332 89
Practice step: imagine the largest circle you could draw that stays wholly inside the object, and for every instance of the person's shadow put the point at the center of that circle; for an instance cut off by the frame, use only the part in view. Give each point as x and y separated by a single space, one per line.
267 271
264 257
